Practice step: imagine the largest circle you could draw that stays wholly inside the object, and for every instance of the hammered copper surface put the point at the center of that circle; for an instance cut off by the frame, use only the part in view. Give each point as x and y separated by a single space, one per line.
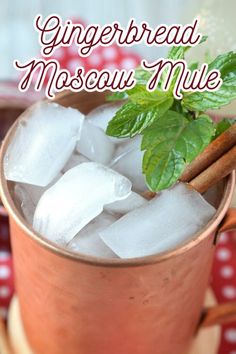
77 308
82 305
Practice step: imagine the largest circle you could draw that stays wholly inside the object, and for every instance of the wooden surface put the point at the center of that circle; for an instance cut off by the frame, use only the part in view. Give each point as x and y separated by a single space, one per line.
4 342
15 330
207 342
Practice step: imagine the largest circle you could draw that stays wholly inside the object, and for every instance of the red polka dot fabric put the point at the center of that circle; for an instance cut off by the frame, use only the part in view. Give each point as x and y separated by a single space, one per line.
224 285
6 268
111 57
224 269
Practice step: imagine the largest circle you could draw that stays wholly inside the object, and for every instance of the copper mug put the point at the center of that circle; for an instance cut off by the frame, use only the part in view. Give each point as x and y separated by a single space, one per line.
77 304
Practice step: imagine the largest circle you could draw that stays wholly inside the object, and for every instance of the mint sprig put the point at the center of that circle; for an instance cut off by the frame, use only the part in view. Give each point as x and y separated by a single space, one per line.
134 118
117 96
170 143
201 101
223 125
174 132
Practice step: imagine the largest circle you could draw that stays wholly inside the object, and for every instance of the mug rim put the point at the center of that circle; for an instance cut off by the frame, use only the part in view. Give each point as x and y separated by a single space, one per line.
108 262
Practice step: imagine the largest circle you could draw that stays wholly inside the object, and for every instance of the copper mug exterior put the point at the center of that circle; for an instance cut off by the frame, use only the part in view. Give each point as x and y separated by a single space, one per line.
76 304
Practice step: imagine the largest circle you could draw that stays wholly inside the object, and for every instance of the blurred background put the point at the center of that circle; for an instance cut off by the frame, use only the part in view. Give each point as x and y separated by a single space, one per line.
19 40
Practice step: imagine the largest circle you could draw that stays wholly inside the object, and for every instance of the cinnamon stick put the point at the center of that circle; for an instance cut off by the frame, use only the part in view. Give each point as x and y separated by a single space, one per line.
214 173
214 163
213 151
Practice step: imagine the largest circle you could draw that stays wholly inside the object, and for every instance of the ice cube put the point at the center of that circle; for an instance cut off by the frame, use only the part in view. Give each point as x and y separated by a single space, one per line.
27 197
95 144
129 164
125 147
165 222
88 241
44 140
100 117
76 199
133 201
74 160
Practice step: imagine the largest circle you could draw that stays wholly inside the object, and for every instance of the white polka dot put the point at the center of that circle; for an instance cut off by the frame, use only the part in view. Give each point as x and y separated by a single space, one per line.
4 291
234 352
74 64
223 254
128 63
4 271
229 292
223 238
111 67
3 312
227 272
4 255
95 59
109 53
230 335
72 49
59 53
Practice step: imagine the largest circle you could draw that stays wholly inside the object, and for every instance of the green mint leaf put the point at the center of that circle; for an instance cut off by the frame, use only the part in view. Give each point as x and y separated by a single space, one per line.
223 125
226 64
170 143
193 66
132 118
174 132
117 96
142 76
165 167
140 95
177 53
203 40
201 101
177 107
195 137
208 57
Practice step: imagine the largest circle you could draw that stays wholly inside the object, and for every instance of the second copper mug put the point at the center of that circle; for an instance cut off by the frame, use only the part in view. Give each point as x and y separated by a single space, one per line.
76 304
